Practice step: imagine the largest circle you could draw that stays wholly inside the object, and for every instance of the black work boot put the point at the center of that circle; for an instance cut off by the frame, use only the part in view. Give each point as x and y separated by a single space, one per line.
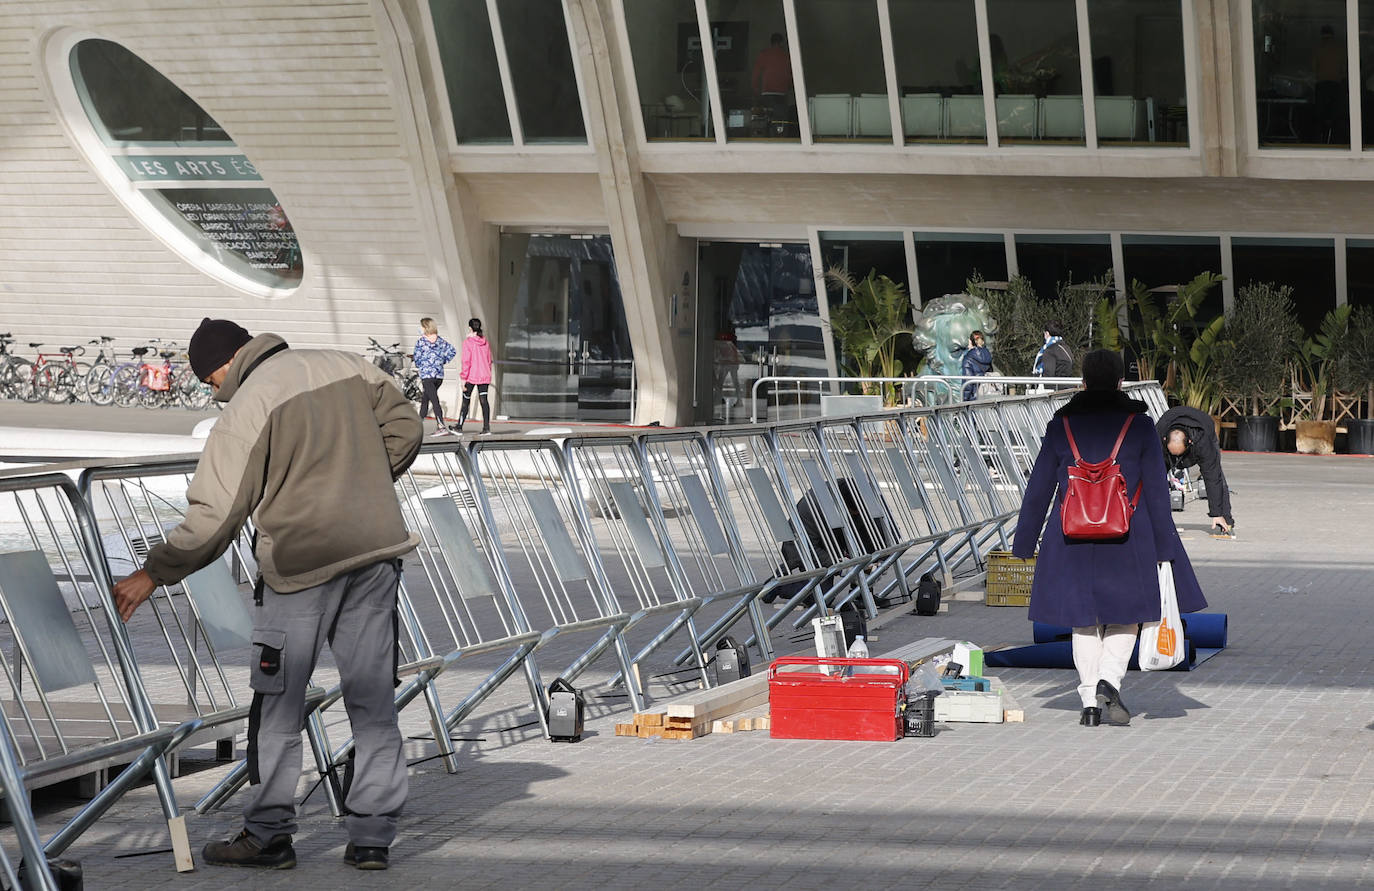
245 850
365 857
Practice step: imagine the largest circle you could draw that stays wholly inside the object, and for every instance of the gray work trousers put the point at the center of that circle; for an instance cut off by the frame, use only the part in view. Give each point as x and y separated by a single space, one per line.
356 613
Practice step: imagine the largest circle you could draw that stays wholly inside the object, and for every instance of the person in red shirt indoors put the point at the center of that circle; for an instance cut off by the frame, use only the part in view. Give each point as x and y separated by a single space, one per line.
772 78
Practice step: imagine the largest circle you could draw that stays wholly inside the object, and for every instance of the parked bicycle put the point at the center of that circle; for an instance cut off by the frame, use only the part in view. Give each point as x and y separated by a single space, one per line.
155 384
56 375
397 364
98 383
16 373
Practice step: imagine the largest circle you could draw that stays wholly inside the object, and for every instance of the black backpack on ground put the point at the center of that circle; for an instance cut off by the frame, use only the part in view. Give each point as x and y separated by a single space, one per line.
927 595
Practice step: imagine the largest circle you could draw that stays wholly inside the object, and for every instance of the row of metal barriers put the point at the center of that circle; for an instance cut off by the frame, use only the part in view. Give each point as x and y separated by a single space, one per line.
622 547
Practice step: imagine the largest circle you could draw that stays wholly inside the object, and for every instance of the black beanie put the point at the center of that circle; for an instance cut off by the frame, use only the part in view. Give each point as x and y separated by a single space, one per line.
214 343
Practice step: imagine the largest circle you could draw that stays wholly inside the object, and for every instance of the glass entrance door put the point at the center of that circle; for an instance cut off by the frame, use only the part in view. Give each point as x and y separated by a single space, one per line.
759 317
565 351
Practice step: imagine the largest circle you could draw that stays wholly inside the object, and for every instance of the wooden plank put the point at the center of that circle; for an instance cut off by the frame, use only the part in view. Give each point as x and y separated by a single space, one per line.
722 725
181 845
649 719
626 730
645 731
722 701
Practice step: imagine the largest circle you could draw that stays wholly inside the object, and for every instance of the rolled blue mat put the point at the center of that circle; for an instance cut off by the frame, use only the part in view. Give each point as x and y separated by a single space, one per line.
1059 654
1207 630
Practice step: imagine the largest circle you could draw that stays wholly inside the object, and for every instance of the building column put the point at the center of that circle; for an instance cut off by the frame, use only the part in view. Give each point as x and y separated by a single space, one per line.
652 261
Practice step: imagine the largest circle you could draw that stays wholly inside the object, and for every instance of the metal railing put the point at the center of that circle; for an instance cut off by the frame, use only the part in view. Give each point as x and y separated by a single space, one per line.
925 390
523 540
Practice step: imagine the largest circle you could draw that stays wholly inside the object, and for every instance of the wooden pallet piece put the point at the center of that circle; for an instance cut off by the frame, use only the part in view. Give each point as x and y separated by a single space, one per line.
646 731
1012 713
626 730
649 719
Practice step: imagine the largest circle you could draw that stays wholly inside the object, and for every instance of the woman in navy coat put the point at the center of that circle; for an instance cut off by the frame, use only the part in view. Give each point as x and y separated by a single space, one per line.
1103 590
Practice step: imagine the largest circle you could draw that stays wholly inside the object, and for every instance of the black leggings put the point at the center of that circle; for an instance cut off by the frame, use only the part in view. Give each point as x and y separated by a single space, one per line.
430 385
482 398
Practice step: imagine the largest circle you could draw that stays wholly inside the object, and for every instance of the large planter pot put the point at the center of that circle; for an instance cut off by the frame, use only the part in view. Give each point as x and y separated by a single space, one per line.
1257 433
1359 437
1316 437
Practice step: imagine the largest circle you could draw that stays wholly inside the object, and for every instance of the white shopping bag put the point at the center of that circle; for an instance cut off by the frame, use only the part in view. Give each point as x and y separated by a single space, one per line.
1161 643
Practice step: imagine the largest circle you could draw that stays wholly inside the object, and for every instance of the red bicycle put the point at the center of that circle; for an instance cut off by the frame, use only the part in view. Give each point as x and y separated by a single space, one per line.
55 375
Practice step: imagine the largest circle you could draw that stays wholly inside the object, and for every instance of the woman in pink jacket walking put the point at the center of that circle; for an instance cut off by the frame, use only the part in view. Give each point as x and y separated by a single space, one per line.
476 372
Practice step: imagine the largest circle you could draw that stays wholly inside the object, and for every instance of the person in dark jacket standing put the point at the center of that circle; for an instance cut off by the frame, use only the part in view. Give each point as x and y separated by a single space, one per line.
1190 439
309 445
1054 359
432 353
977 362
1102 589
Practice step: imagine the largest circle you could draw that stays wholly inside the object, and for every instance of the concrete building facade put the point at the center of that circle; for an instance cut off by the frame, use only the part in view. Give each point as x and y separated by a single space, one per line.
643 226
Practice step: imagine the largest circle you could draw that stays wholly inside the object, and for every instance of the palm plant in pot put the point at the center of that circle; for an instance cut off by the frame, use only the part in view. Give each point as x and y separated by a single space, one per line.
871 325
1316 434
1352 371
1260 336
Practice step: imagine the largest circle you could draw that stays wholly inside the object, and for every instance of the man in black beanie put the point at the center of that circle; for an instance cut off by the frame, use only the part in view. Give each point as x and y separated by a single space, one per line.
320 435
214 344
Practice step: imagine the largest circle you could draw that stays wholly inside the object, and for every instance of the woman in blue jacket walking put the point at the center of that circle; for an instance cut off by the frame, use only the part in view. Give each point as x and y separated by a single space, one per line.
1102 589
432 353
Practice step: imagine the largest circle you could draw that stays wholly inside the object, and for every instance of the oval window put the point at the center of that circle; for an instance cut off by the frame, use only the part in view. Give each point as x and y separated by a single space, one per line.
175 167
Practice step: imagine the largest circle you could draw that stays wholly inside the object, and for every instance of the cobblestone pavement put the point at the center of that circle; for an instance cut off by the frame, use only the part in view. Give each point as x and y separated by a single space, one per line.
1253 771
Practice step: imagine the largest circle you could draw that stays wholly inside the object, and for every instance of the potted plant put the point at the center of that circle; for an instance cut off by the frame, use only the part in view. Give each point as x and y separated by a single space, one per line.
1352 367
870 326
1252 359
1316 435
1173 343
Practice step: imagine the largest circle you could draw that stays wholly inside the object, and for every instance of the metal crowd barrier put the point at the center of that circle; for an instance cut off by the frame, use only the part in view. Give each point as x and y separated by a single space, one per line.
522 540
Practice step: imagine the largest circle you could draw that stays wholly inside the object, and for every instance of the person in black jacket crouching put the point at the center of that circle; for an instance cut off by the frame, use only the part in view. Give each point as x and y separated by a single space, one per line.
1190 439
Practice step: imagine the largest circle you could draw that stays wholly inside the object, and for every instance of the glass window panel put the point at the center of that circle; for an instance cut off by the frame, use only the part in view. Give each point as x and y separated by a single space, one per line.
842 59
129 102
1163 262
1138 72
541 70
753 63
665 44
860 253
945 261
939 78
1053 260
1359 272
864 252
1307 265
564 345
1366 9
754 66
1300 73
1035 70
467 54
213 198
761 299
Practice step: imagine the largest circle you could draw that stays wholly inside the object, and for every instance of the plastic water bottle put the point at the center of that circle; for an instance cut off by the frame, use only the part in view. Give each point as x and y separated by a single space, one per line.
859 648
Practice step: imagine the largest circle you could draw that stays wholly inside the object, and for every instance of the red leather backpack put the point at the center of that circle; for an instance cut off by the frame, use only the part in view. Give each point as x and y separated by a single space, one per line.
1096 507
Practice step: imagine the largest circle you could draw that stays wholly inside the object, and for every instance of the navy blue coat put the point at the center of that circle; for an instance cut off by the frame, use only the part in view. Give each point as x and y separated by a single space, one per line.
1083 583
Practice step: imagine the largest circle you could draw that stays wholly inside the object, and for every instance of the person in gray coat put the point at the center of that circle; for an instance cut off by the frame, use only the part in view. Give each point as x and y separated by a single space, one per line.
307 437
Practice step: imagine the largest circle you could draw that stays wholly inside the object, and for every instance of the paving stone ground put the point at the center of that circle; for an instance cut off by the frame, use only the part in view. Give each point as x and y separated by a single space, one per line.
1254 771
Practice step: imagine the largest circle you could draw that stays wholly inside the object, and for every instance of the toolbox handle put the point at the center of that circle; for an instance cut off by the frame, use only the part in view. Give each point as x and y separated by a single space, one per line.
903 671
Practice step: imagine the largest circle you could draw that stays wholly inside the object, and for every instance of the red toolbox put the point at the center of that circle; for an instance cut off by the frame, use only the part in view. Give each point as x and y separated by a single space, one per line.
848 699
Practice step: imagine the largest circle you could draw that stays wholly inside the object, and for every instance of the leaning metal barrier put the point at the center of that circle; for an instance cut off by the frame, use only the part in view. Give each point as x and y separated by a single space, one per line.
76 701
522 539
